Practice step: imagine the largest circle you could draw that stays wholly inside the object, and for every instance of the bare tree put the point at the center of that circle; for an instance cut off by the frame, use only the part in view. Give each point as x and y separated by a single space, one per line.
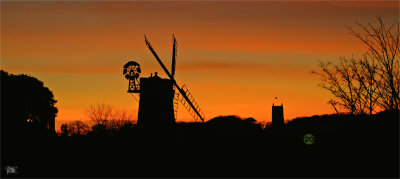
341 80
119 118
99 114
362 85
78 128
383 47
367 75
64 130
106 118
74 128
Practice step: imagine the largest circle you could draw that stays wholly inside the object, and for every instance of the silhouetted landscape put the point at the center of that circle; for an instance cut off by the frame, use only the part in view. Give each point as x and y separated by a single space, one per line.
225 146
238 56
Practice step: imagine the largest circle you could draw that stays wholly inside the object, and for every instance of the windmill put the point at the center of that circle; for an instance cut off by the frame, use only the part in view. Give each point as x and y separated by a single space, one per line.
131 72
183 95
159 98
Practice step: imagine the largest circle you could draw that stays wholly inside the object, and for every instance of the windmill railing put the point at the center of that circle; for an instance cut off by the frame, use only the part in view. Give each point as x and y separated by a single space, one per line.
176 101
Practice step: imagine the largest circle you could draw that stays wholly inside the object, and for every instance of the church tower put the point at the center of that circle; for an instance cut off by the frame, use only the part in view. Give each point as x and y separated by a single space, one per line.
277 116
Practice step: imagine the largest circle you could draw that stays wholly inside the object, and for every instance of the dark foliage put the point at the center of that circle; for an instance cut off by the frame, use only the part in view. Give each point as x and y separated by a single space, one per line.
26 102
27 115
227 146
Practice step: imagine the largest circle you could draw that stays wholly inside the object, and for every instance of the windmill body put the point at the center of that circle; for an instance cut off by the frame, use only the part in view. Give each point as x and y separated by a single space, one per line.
156 103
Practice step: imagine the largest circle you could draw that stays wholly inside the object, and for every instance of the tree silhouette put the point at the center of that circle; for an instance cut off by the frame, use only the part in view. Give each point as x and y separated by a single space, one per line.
80 128
341 80
74 128
362 85
99 114
27 118
383 44
105 118
27 105
64 130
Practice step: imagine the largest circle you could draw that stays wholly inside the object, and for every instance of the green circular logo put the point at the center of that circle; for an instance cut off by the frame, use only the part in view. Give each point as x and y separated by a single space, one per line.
308 139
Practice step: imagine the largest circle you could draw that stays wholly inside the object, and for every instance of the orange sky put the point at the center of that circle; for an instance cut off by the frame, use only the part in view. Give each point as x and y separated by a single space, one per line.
235 57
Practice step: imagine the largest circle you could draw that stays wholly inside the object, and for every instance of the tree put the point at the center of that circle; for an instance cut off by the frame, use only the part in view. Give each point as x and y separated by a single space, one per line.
64 130
75 128
119 118
27 105
341 80
99 114
79 128
105 118
383 43
362 85
367 75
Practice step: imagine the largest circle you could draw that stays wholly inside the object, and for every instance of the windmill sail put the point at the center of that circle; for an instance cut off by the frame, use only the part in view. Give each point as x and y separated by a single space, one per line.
173 56
176 95
187 99
197 113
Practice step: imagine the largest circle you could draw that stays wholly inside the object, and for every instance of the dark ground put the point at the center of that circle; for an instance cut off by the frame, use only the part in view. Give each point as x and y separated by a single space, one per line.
345 146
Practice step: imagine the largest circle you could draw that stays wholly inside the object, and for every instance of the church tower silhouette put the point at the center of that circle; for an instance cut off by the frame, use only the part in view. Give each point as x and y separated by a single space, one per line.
277 115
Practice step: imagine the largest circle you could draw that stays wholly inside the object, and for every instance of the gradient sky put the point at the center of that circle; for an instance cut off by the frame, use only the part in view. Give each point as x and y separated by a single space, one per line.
235 57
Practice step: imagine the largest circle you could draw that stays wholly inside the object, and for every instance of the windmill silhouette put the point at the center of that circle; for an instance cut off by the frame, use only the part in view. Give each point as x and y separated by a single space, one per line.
158 102
132 72
183 95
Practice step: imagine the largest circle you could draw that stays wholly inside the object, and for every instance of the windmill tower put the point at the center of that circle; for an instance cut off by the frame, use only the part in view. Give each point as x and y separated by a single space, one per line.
158 103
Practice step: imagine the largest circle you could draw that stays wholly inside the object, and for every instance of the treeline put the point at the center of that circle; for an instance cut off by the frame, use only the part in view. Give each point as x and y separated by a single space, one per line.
225 146
103 119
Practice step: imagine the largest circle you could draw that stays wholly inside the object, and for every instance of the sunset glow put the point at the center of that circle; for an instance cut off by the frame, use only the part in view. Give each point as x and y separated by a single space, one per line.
235 57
